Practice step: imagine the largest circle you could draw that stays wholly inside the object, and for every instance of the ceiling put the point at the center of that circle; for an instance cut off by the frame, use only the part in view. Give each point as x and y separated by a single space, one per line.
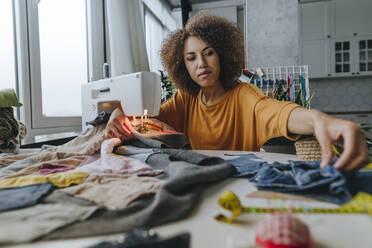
177 3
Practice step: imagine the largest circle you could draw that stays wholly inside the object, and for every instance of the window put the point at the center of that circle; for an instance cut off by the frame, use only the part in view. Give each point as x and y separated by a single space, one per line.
365 55
63 56
7 71
53 54
58 61
342 56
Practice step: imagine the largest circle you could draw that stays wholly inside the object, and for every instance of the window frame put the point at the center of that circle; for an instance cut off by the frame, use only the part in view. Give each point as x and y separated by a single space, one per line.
28 71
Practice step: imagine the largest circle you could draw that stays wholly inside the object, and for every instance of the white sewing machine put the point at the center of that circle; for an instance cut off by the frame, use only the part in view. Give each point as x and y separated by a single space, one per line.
135 92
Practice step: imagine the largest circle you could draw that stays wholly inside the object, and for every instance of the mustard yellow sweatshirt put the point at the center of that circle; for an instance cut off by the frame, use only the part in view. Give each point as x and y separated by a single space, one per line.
244 119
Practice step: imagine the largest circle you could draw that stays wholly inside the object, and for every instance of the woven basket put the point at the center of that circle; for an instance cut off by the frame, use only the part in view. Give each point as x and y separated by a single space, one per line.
308 149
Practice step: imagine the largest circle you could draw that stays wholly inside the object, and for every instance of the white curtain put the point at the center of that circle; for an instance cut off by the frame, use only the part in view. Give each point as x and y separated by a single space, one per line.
126 38
155 34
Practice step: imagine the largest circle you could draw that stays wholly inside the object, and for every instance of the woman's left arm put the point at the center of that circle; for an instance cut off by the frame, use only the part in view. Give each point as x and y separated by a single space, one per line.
329 130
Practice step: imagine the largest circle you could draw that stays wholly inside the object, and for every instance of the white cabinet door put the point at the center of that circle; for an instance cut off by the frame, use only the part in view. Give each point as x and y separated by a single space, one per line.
342 59
314 18
314 53
351 18
364 55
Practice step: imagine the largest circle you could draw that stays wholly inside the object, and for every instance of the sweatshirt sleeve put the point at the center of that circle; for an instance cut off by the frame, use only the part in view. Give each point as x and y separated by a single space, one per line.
272 119
174 111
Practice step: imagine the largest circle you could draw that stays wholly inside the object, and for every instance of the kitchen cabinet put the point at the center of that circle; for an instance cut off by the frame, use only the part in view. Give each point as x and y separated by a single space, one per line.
336 38
351 56
351 18
314 53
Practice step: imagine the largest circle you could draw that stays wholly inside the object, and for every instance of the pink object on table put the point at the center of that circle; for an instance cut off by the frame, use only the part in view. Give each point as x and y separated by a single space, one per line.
282 230
47 168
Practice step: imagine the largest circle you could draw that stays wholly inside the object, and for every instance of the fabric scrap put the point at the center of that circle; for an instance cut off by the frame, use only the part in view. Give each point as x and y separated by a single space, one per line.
85 144
21 197
174 200
114 191
305 178
33 169
63 179
134 152
28 224
47 168
111 163
160 140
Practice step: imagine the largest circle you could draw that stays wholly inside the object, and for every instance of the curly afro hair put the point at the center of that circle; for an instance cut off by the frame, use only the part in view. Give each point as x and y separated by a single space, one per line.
223 35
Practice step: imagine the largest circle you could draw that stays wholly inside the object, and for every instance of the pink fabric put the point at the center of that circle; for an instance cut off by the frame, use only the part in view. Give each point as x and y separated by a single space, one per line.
46 168
117 164
90 159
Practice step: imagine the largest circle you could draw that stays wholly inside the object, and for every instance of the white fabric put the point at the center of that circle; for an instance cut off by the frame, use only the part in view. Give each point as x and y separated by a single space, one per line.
117 164
126 37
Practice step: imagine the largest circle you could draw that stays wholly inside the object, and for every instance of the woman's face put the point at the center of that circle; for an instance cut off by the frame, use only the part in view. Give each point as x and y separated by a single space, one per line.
202 62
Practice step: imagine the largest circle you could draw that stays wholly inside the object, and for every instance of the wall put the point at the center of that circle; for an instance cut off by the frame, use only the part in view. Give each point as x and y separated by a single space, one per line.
342 94
272 32
232 10
351 97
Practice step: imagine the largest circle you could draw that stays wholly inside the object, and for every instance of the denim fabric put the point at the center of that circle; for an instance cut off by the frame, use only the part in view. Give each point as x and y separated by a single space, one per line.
20 197
303 177
360 181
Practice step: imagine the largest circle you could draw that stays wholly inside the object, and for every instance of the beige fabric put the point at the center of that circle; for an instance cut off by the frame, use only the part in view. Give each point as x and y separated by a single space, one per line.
114 191
87 143
70 153
73 162
7 160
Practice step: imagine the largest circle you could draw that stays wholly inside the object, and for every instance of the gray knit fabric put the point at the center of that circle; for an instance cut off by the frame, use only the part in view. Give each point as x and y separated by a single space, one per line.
173 201
28 224
161 140
134 152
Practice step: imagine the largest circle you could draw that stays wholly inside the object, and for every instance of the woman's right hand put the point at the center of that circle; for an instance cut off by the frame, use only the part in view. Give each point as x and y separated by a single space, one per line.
119 126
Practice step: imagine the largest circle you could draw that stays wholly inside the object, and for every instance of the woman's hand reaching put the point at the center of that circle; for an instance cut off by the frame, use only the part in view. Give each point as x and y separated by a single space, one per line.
119 126
328 131
348 134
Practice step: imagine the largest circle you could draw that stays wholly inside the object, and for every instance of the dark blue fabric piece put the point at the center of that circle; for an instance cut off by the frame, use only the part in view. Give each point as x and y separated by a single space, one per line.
180 241
303 177
21 197
360 181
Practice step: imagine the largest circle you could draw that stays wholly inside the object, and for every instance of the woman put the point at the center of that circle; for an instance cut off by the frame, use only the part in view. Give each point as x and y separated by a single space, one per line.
218 112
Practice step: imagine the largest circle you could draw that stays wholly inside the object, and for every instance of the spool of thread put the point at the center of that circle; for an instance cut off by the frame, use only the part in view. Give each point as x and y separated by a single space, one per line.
106 71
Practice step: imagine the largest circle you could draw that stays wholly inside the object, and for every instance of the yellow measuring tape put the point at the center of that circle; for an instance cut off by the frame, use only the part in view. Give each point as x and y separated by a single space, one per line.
360 204
338 154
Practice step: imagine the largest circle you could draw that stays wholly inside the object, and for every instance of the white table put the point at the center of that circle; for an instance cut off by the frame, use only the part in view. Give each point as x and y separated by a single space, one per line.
328 230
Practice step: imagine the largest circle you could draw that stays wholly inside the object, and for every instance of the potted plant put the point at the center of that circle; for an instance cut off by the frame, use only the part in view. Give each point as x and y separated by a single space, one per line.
167 87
